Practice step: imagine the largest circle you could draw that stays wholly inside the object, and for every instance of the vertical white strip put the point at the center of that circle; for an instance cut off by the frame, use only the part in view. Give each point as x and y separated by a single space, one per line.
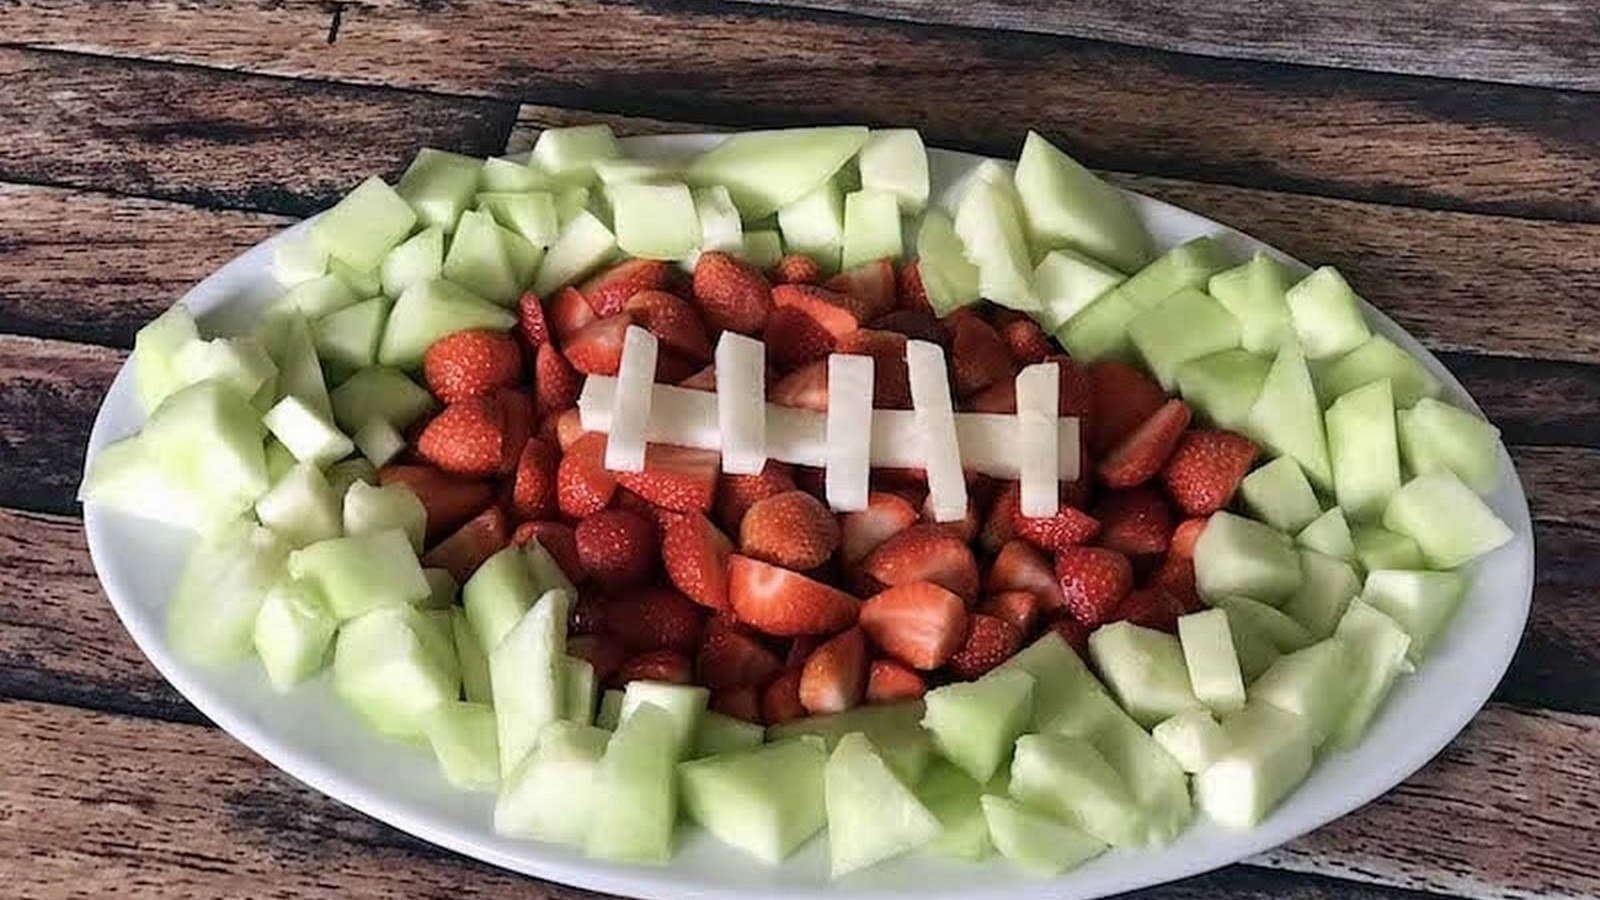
742 403
936 427
849 431
1038 390
630 407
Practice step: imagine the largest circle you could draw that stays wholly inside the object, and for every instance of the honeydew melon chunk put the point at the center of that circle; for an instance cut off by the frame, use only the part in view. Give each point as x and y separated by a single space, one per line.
720 225
1069 206
292 634
1313 683
370 508
208 439
498 596
1034 841
286 336
320 296
684 703
1279 494
1254 293
525 675
949 280
1270 755
492 262
813 225
125 476
1252 643
719 734
510 176
765 171
531 215
364 225
583 245
871 228
621 170
362 283
1186 325
546 572
553 794
1326 314
1211 661
1364 449
1450 524
762 248
301 507
895 729
989 221
419 259
871 815
654 221
1145 670
298 259
1283 633
578 680
1061 685
387 669
1223 386
475 684
975 723
1326 589
463 738
241 363
1188 265
636 791
1329 534
1069 779
935 419
1193 738
1380 548
1037 440
1100 330
306 432
439 186
570 153
1066 281
610 711
212 614
894 161
953 798
1436 437
343 474
1235 555
359 573
1420 602
379 442
1154 777
1377 646
379 392
155 352
1288 420
279 460
347 340
765 801
429 310
1377 358
573 200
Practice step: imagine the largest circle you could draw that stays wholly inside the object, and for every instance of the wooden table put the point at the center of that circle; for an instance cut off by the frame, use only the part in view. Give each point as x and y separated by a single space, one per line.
1446 155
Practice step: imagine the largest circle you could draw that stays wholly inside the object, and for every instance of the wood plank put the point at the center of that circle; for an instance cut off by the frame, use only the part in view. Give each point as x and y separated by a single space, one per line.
1387 138
1550 44
218 138
49 392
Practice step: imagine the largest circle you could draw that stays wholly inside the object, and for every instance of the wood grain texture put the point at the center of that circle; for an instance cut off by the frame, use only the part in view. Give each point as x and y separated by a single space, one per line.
49 392
1387 138
1555 43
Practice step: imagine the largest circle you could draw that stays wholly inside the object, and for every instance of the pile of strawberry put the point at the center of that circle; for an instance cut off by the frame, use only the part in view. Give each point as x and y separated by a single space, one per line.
749 584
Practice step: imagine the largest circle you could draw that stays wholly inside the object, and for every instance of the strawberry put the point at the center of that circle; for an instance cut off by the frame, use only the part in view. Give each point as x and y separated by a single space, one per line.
674 323
794 339
556 384
470 364
1068 527
596 348
1176 578
568 427
780 702
1205 469
654 618
888 681
605 654
1001 525
517 407
800 647
1075 395
743 703
737 493
925 553
461 553
1150 607
965 528
796 268
911 294
533 487
681 479
919 623
703 380
1185 536
838 314
919 324
777 601
657 665
609 291
804 388
1020 608
1021 567
871 285
560 541
891 386
989 642
1093 581
1024 339
1120 398
1000 397
730 658
695 555
978 357
449 501
1074 633
568 313
1136 521
730 295
531 324
617 547
834 677
793 529
465 438
1139 456
863 531
588 614
583 484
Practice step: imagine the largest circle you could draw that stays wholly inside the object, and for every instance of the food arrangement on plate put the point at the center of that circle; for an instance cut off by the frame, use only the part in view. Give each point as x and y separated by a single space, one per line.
764 490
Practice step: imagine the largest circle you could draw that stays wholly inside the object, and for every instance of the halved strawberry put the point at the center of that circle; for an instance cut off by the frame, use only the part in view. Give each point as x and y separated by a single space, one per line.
1151 607
695 555
834 677
533 486
531 324
889 681
919 623
796 268
1074 392
742 703
1093 581
804 388
655 618
560 541
891 386
604 653
1021 567
800 647
673 322
925 553
737 493
965 528
794 339
596 348
911 294
780 702
1120 398
465 438
1176 577
1185 536
703 380
838 314
862 532
1139 456
568 313
793 529
583 484
1000 397
471 363
777 601
1023 337
568 427
1020 608
989 642
1136 521
730 294
1000 527
682 479
556 384
918 324
670 666
730 659
448 501
462 552
619 548
610 290
871 285
978 357
1206 468
1068 527
517 408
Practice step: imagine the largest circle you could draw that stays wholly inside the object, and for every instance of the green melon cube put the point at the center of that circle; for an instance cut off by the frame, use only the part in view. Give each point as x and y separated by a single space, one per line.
570 153
1284 634
492 262
379 442
717 733
654 221
547 573
279 460
1269 755
953 798
621 170
240 363
498 595
610 711
975 723
343 474
871 228
429 310
364 226
348 339
584 245
1447 520
1069 206
439 186
554 794
510 176
1288 420
813 225
1422 603
765 801
1066 696
570 201
155 353
1380 548
212 615
320 296
950 281
420 258
475 684
125 476
762 248
463 740
361 283
362 572
1211 661
895 729
1235 555
380 392
684 703
1145 670
1254 293
636 791
872 816
894 161
1066 281
1069 779
720 225
370 508
1192 738
1326 589
307 432
286 336
1279 494
292 634
989 221
299 259
1326 314
1377 647
1186 325
1036 842
208 439
1375 359
1329 534
525 675
1100 330
1252 644
301 507
581 690
1223 386
768 170
1188 265
1438 437
1313 683
387 668
1364 449
531 215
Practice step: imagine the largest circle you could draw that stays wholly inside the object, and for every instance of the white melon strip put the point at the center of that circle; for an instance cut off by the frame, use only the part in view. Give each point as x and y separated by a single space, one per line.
630 404
849 430
936 427
1038 398
742 403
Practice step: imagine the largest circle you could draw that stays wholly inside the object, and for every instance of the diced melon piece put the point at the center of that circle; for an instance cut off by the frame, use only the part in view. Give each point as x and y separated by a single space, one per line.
1377 648
1377 358
387 668
953 798
125 476
362 572
1188 265
1450 524
872 816
717 733
1269 755
949 280
630 406
990 224
279 460
1287 418
1100 330
531 215
463 740
849 431
343 474
683 703
370 508
501 174
498 596
974 724
1326 588
1066 281
379 392
1329 533
765 801
301 507
287 338
420 258
1192 738
1421 602
1279 494
553 794
582 692
893 160
610 711
442 589
1212 663
570 201
429 310
1326 314
1364 450
1063 686
1069 206
654 221
155 352
439 185
570 153
525 674
1380 548
813 225
1037 442
871 228
583 245
292 633
1145 670
1313 683
241 363
636 790
212 614
1254 647
1283 633
474 662
379 442
1235 555
208 439
1437 437
1186 325
1069 779
348 339
320 296
1254 293
720 225
762 248
547 573
621 169
362 284
361 228
297 260
1223 386
935 417
742 404
1036 842
767 170
306 432
895 729
492 262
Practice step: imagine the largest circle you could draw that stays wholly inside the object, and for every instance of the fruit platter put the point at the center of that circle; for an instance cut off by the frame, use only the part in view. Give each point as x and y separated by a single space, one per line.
807 512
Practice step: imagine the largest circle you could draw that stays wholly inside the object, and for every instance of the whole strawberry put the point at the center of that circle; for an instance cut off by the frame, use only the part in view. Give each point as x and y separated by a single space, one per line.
1093 581
792 529
617 547
471 364
466 438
